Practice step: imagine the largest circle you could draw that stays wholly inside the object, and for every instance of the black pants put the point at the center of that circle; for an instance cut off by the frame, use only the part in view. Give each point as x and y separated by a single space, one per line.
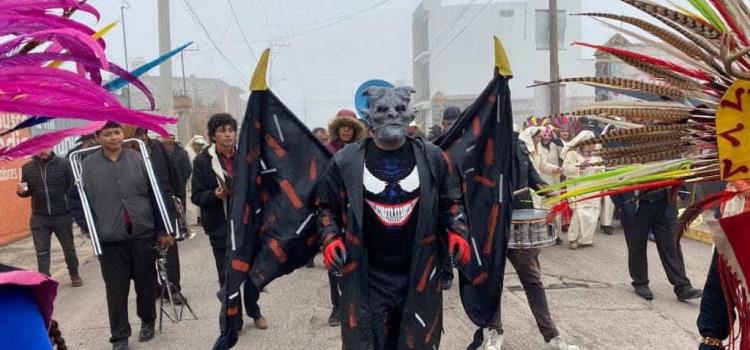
42 228
250 291
387 296
713 319
219 248
660 216
333 283
173 265
526 263
121 262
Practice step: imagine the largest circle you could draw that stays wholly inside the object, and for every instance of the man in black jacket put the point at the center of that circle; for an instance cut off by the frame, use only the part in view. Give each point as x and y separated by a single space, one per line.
213 170
526 261
657 213
181 160
46 179
170 184
128 224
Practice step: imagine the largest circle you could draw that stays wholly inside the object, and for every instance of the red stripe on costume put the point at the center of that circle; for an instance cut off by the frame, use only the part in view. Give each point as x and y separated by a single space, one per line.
240 265
351 312
233 311
288 189
246 214
476 126
278 252
489 238
428 338
484 181
489 152
275 146
313 170
252 155
491 98
479 279
425 275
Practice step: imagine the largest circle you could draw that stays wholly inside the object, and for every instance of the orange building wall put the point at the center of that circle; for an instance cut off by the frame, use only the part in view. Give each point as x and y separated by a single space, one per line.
14 211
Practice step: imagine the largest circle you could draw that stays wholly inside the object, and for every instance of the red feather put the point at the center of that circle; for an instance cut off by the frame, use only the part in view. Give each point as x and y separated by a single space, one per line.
697 208
693 73
719 5
559 208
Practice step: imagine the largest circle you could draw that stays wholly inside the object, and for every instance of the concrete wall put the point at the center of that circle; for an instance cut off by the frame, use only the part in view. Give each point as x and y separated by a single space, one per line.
465 66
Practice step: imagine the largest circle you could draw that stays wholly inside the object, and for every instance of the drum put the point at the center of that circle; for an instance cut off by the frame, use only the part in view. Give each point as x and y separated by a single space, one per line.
529 229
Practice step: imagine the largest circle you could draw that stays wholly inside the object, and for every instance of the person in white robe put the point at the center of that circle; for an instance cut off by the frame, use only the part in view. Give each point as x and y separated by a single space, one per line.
578 161
532 137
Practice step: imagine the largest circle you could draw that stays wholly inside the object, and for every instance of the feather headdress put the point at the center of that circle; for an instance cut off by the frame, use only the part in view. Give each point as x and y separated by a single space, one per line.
39 35
702 56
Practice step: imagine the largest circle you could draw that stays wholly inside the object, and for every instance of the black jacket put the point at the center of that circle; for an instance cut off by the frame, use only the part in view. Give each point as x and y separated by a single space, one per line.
524 174
48 184
659 199
181 162
204 183
165 170
440 209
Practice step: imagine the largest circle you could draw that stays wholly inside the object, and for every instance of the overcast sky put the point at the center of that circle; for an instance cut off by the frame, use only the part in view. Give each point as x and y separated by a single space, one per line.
322 49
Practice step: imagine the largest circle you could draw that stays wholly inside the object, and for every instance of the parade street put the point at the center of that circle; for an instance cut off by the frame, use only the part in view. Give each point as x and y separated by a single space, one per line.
588 289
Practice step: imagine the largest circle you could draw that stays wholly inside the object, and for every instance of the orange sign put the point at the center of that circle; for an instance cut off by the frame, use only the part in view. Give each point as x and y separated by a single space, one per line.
733 131
14 221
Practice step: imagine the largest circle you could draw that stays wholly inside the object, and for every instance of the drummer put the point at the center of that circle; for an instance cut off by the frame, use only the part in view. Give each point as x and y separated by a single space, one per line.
526 263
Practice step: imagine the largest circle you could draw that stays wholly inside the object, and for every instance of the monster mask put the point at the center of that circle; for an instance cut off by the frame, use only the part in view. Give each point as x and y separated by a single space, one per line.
389 114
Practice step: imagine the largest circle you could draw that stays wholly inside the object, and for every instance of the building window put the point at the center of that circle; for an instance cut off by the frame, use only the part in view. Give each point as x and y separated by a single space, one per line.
506 13
542 29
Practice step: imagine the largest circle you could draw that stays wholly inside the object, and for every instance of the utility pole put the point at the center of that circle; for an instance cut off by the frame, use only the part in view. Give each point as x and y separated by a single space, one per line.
554 64
124 6
166 102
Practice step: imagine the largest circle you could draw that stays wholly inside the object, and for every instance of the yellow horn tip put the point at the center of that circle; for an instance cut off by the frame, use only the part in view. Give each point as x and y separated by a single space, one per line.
501 59
259 77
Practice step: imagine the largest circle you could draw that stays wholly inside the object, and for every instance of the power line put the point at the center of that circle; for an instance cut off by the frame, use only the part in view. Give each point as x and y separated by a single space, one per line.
335 22
442 34
462 30
198 21
242 32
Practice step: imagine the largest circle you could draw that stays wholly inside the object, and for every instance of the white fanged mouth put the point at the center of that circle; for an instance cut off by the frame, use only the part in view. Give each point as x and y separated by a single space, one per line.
393 215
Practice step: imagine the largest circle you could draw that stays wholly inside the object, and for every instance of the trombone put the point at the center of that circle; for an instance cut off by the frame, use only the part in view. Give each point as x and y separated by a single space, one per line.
76 163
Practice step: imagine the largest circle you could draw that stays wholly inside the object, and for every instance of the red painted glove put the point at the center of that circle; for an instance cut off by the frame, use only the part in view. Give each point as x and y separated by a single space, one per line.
334 254
458 242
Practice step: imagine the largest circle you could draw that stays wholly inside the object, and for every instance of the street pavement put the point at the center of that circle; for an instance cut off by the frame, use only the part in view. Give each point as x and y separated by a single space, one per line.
588 290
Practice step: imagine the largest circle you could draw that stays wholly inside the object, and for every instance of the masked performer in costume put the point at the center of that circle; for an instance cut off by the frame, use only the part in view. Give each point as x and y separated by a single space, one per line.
387 203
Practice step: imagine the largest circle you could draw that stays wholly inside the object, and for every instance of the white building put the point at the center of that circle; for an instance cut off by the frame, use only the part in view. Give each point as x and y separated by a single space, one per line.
453 54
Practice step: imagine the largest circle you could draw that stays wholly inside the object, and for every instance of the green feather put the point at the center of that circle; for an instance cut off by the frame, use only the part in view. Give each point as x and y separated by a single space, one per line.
708 13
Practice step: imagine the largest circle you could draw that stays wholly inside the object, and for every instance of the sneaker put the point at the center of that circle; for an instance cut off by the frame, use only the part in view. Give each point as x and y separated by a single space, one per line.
76 280
573 245
644 292
310 263
333 319
608 230
687 293
260 322
494 340
558 343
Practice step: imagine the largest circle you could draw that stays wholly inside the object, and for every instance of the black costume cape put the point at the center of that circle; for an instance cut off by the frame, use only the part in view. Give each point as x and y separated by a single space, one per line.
273 227
481 145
